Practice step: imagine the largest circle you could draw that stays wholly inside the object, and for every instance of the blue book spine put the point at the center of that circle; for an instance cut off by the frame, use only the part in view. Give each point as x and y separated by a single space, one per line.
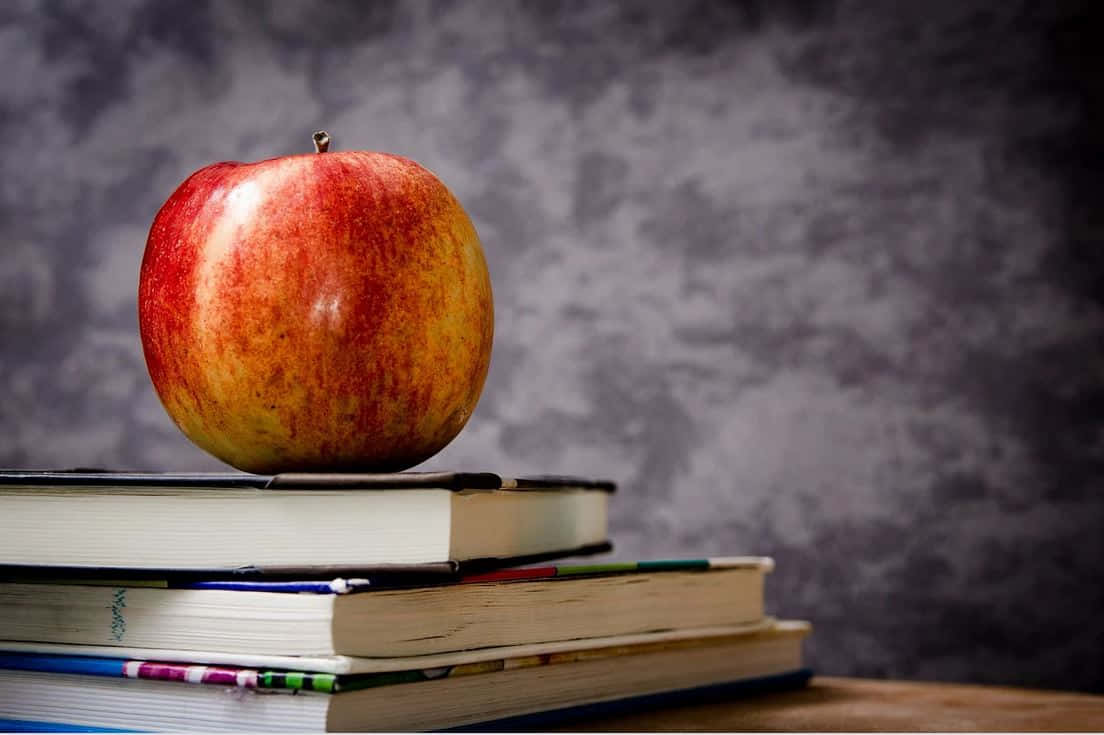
331 587
318 588
36 726
91 665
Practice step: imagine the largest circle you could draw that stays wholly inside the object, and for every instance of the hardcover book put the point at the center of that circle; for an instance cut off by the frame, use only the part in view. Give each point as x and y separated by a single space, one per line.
60 689
364 617
236 523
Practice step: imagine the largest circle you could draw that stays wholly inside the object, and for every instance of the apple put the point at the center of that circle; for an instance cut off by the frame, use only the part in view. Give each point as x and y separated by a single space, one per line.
322 312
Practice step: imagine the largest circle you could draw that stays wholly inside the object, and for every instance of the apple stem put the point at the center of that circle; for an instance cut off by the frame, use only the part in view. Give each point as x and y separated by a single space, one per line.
321 141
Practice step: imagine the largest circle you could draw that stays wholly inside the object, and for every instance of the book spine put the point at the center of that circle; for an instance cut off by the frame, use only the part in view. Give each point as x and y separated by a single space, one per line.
581 570
192 674
511 575
231 676
9 725
298 681
334 587
89 665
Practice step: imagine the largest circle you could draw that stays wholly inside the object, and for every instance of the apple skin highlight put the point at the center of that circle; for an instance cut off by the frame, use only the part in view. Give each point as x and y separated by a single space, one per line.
316 313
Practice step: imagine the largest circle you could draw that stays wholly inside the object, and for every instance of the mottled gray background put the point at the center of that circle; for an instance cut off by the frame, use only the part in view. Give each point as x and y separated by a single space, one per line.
814 280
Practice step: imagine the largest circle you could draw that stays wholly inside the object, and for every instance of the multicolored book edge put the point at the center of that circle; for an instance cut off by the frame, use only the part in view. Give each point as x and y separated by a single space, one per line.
548 718
292 681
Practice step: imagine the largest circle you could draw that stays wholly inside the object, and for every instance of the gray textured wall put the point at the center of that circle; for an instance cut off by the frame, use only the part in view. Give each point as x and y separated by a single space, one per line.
811 280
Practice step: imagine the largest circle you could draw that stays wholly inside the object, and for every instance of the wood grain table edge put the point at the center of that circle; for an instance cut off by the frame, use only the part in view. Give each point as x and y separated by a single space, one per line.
837 704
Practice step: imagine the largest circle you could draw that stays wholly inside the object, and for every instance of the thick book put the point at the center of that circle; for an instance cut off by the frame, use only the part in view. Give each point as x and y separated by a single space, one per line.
140 694
279 524
357 617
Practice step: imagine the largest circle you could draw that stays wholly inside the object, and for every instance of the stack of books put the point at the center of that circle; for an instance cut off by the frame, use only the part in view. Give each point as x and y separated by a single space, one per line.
412 601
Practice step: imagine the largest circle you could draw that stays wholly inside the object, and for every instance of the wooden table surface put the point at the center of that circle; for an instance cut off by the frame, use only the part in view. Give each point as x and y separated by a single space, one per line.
837 704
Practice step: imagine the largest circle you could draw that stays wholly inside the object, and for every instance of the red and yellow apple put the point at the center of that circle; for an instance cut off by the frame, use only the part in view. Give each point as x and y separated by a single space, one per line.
316 313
